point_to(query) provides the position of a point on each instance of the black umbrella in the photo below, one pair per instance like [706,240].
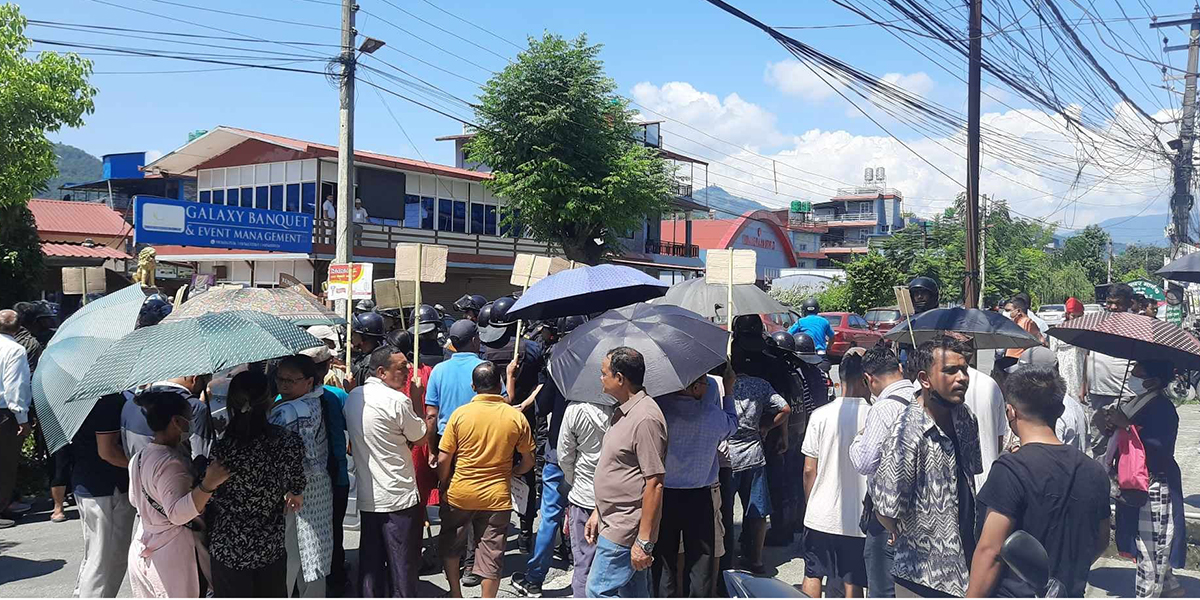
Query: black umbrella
[1184,268]
[1131,336]
[987,329]
[679,346]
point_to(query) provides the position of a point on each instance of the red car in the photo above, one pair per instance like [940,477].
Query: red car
[884,318]
[849,331]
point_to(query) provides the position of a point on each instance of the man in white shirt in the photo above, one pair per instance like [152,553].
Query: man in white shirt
[986,402]
[329,208]
[834,492]
[383,429]
[14,410]
[360,213]
[579,442]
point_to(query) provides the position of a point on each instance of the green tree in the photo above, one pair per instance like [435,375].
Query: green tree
[1139,259]
[20,255]
[869,282]
[561,146]
[37,95]
[1061,282]
[1088,249]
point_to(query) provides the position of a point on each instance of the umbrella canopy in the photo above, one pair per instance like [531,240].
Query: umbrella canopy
[987,329]
[1184,268]
[290,304]
[71,352]
[205,344]
[679,346]
[586,290]
[1131,336]
[710,299]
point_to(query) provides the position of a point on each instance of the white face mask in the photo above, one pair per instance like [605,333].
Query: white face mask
[1007,314]
[1137,385]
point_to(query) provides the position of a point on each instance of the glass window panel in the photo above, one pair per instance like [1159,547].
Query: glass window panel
[277,173]
[260,196]
[276,197]
[293,170]
[233,197]
[218,178]
[427,216]
[204,179]
[247,197]
[489,220]
[248,175]
[460,216]
[476,218]
[445,212]
[218,196]
[308,198]
[293,197]
[206,196]
[233,176]
[262,174]
[412,211]
[309,170]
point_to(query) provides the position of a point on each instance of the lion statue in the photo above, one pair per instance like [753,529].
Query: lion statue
[145,267]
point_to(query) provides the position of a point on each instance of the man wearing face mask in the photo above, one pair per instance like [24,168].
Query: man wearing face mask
[930,460]
[1106,377]
[1048,489]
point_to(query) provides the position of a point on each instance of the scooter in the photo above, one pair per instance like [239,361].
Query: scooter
[1021,552]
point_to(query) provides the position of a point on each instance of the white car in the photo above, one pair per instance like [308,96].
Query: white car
[1092,308]
[1053,314]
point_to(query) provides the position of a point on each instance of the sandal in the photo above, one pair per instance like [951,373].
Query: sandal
[58,518]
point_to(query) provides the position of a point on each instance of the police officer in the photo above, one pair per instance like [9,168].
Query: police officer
[427,326]
[364,306]
[470,305]
[925,297]
[813,368]
[367,334]
[497,330]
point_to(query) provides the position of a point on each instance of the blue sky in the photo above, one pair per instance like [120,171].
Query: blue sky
[684,58]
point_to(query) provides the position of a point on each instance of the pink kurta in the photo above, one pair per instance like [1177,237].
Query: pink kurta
[163,556]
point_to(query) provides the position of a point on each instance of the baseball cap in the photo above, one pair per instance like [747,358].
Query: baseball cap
[1037,356]
[463,331]
[318,354]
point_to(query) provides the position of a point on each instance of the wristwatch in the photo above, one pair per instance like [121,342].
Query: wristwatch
[647,547]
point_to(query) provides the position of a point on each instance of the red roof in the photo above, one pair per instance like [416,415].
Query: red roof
[721,233]
[78,218]
[384,160]
[80,251]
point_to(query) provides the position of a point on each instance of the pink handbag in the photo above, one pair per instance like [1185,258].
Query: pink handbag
[1132,473]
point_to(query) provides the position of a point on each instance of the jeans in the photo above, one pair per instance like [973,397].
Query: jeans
[878,554]
[264,582]
[612,574]
[107,533]
[751,487]
[554,501]
[686,514]
[337,569]
[725,476]
[390,553]
[582,552]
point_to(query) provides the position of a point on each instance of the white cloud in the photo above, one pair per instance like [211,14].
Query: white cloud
[813,164]
[794,78]
[918,83]
[153,155]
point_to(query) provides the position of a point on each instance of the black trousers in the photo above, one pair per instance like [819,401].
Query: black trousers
[389,553]
[264,582]
[335,584]
[686,514]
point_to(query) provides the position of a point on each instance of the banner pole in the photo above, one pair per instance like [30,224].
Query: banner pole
[350,318]
[730,312]
[417,320]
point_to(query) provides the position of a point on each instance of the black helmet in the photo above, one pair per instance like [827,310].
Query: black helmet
[929,285]
[473,302]
[364,306]
[154,309]
[782,340]
[804,343]
[810,307]
[368,323]
[485,315]
[427,319]
[499,315]
[566,325]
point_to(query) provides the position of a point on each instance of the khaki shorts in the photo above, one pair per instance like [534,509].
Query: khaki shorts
[719,546]
[490,528]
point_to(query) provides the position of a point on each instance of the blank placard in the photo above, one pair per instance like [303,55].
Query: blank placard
[433,259]
[745,265]
[394,293]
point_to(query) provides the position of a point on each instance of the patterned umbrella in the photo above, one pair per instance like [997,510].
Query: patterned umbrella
[586,290]
[72,350]
[679,346]
[290,304]
[1131,336]
[205,344]
[709,299]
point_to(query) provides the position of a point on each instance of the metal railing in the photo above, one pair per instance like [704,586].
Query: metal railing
[672,249]
[845,243]
[847,216]
[389,236]
[682,189]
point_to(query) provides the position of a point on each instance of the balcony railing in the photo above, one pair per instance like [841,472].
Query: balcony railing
[388,236]
[848,216]
[845,243]
[682,189]
[672,249]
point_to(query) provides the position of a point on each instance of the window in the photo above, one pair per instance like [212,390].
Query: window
[293,197]
[218,196]
[247,196]
[856,322]
[489,220]
[261,194]
[445,215]
[477,218]
[460,216]
[510,223]
[276,197]
[834,320]
[308,198]
[206,197]
[232,197]
[427,213]
[412,211]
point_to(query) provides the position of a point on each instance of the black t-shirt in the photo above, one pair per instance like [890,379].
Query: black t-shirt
[93,476]
[966,502]
[1058,495]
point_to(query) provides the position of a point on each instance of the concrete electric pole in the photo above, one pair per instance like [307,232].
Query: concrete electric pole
[344,242]
[1181,199]
[972,288]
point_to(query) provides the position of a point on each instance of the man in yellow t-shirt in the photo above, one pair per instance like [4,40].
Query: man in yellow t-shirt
[478,446]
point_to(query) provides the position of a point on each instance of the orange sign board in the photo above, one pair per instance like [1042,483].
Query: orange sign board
[350,280]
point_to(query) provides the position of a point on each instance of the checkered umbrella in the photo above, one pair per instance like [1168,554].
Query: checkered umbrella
[1131,336]
[72,350]
[205,344]
[291,304]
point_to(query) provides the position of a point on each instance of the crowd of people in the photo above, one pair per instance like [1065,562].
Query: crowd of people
[904,480]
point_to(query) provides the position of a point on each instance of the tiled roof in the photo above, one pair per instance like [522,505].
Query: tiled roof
[80,251]
[78,218]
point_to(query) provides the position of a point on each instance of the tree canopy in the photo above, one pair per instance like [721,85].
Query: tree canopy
[37,95]
[561,146]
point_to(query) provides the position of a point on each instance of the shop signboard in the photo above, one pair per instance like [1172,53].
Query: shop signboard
[165,221]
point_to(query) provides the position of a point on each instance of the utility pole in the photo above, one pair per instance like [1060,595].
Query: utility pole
[1181,199]
[344,243]
[983,249]
[972,288]
[1110,258]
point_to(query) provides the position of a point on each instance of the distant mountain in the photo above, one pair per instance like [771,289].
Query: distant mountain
[74,166]
[1144,229]
[726,205]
